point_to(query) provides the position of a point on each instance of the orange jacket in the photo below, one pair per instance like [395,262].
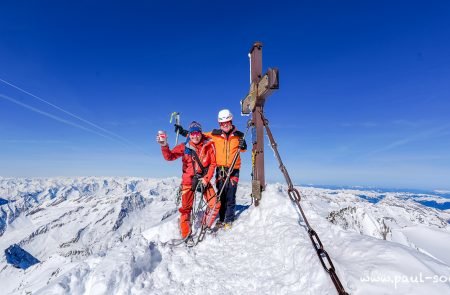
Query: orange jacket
[206,153]
[226,146]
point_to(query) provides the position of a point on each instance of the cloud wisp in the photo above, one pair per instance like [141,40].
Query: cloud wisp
[437,131]
[56,118]
[101,131]
[110,133]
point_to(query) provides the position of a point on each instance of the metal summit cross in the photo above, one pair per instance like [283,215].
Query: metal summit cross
[261,88]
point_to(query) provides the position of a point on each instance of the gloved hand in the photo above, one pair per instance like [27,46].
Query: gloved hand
[181,131]
[242,144]
[201,185]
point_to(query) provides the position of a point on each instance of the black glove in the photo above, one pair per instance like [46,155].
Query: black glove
[242,144]
[181,131]
[200,187]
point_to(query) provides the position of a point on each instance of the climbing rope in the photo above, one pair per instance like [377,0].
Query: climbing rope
[294,195]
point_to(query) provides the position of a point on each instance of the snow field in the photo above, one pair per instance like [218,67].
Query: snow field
[123,222]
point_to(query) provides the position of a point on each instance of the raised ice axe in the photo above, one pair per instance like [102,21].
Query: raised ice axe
[176,115]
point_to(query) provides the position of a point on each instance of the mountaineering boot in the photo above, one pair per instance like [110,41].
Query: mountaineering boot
[189,241]
[227,226]
[219,224]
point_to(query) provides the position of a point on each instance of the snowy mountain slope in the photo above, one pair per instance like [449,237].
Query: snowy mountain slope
[393,219]
[75,219]
[102,236]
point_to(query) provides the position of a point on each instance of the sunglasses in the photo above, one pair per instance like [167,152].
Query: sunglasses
[196,133]
[225,123]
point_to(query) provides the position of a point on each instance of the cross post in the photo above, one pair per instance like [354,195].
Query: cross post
[261,87]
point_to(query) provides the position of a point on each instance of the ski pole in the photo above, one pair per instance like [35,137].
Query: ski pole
[177,121]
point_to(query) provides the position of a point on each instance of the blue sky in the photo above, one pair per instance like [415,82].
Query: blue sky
[364,86]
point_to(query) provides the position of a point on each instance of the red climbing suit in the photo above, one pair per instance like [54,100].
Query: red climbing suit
[206,153]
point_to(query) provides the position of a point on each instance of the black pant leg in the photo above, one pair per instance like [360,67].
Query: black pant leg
[223,201]
[231,202]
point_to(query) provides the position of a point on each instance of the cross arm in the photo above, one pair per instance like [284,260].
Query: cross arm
[260,91]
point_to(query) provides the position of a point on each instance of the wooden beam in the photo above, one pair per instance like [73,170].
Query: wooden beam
[260,92]
[266,86]
[256,62]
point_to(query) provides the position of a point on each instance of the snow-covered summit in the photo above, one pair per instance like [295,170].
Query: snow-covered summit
[102,236]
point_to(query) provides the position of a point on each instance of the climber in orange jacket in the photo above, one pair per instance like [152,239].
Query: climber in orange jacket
[197,152]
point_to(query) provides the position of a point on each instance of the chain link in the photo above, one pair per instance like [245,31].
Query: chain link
[295,196]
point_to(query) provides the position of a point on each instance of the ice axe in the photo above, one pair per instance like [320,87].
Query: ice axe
[175,115]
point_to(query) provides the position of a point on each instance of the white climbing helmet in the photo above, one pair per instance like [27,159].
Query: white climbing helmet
[224,116]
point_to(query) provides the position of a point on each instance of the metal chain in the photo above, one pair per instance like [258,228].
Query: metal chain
[294,195]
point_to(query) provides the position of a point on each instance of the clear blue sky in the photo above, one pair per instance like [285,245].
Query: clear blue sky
[364,93]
